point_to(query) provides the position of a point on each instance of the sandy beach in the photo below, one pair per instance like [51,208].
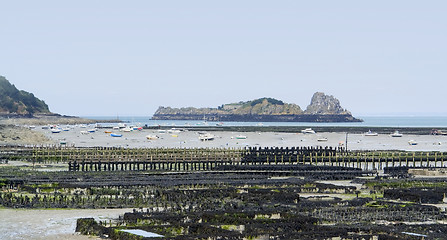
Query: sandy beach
[222,139]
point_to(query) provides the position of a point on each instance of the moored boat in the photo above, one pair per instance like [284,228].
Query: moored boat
[412,142]
[308,131]
[206,137]
[56,130]
[322,139]
[371,133]
[116,135]
[396,134]
[152,137]
[241,137]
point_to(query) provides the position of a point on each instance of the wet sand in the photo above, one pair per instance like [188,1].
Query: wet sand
[49,224]
[190,139]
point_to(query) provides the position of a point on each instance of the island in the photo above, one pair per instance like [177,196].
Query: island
[323,108]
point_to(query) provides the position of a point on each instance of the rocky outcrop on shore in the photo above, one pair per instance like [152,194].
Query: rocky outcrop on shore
[14,102]
[323,108]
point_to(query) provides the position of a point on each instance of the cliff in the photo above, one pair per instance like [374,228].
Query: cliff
[16,102]
[323,108]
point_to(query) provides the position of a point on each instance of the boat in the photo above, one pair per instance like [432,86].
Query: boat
[152,137]
[241,137]
[91,130]
[206,137]
[127,129]
[322,139]
[370,133]
[308,131]
[56,130]
[396,134]
[412,142]
[107,131]
[116,135]
[174,130]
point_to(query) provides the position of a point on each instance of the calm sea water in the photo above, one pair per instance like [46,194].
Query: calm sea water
[369,121]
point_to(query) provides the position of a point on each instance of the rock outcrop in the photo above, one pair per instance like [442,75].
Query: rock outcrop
[325,104]
[323,108]
[16,102]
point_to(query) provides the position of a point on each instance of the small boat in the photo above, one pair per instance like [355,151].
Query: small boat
[84,132]
[412,142]
[370,133]
[32,127]
[66,129]
[206,137]
[126,129]
[107,131]
[91,130]
[56,130]
[322,139]
[396,134]
[116,128]
[116,135]
[241,137]
[152,137]
[174,130]
[308,131]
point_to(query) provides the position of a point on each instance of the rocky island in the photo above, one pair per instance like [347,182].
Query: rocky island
[323,108]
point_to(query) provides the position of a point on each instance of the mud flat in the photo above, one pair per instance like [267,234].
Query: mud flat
[232,139]
[49,224]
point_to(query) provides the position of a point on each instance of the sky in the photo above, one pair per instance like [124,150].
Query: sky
[127,58]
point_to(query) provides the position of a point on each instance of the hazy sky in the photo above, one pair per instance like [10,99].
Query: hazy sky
[94,58]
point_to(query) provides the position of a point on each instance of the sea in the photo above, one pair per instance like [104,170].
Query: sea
[368,121]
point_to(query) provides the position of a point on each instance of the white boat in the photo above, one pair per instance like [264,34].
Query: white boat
[91,130]
[307,131]
[206,137]
[322,139]
[396,134]
[241,137]
[152,137]
[370,133]
[56,130]
[174,130]
[127,129]
[412,142]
